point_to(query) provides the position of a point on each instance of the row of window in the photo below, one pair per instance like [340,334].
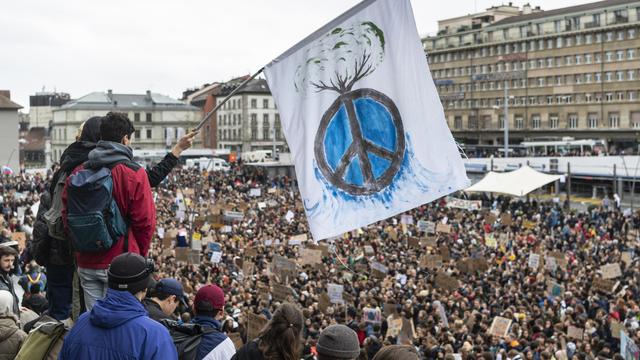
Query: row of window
[236,119]
[523,46]
[573,121]
[236,134]
[558,99]
[539,63]
[558,80]
[237,104]
[148,117]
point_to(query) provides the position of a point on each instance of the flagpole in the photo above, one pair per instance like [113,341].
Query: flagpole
[242,85]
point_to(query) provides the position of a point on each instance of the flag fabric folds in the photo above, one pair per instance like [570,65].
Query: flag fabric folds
[363,119]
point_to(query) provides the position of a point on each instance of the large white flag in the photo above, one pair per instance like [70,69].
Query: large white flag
[363,119]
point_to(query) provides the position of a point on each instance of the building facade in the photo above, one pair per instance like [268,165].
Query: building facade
[159,120]
[572,71]
[9,126]
[249,121]
[41,106]
[204,98]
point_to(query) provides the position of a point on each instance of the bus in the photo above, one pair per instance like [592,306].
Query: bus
[149,157]
[564,147]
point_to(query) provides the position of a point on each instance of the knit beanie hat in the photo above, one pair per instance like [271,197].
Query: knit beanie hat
[339,341]
[397,352]
[130,272]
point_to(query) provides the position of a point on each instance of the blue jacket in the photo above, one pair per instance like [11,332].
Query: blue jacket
[215,345]
[118,328]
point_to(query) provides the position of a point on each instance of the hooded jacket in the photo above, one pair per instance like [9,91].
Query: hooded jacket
[118,328]
[132,193]
[215,345]
[11,338]
[42,247]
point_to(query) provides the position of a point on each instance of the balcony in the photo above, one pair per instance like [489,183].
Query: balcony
[620,19]
[591,25]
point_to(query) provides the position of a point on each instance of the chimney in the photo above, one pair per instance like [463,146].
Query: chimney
[6,93]
[526,9]
[149,95]
[110,94]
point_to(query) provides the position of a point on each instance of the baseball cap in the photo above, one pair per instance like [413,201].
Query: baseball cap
[209,298]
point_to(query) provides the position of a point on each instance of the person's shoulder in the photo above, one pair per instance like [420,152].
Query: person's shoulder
[153,327]
[128,166]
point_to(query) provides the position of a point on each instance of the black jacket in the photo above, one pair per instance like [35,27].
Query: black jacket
[249,351]
[154,310]
[46,250]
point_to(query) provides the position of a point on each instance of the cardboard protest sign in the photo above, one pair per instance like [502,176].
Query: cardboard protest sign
[561,260]
[250,251]
[616,328]
[196,245]
[604,285]
[468,205]
[21,238]
[445,253]
[310,257]
[322,247]
[297,239]
[422,225]
[284,269]
[182,254]
[233,216]
[390,309]
[379,270]
[446,282]
[611,271]
[490,218]
[194,257]
[490,241]
[394,324]
[626,257]
[413,242]
[280,292]
[534,261]
[248,268]
[555,289]
[169,236]
[575,332]
[255,192]
[429,241]
[431,261]
[255,324]
[500,326]
[408,331]
[406,219]
[335,293]
[550,263]
[443,228]
[368,250]
[506,220]
[324,302]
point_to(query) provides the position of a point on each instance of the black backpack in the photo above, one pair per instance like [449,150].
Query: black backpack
[186,337]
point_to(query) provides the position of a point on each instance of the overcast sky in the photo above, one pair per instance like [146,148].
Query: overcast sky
[80,46]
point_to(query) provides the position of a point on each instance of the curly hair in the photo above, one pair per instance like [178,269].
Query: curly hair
[115,126]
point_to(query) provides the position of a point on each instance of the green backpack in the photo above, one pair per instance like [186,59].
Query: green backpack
[44,342]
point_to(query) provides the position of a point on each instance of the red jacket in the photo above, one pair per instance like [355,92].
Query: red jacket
[132,193]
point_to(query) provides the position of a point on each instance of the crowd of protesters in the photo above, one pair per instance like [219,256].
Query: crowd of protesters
[225,245]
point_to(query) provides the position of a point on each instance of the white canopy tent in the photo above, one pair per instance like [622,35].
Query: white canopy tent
[517,183]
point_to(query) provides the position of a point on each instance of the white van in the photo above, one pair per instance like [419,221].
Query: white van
[257,156]
[209,164]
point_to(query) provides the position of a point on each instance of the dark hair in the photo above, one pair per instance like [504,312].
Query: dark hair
[115,126]
[8,251]
[280,339]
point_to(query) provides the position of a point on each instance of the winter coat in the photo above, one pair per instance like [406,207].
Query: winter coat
[215,345]
[249,351]
[132,194]
[11,338]
[118,328]
[43,247]
[154,310]
[6,284]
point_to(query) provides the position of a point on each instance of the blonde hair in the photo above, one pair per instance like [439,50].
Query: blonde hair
[79,131]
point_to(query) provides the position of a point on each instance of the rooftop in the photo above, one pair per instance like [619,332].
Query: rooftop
[562,11]
[110,100]
[255,86]
[7,104]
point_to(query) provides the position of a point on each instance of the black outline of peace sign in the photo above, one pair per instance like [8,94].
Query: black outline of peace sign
[360,146]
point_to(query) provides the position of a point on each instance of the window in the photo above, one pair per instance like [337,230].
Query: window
[457,122]
[587,98]
[587,58]
[596,20]
[608,97]
[535,121]
[557,26]
[136,116]
[137,134]
[620,95]
[149,117]
[608,56]
[635,120]
[619,55]
[587,78]
[278,127]
[549,62]
[598,77]
[619,75]
[519,122]
[540,81]
[501,122]
[631,33]
[265,103]
[549,99]
[254,126]
[588,39]
[254,103]
[631,95]
[610,36]
[553,121]
[592,120]
[149,134]
[573,121]
[568,60]
[614,120]
[266,128]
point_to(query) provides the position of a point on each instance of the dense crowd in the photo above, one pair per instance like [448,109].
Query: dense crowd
[441,280]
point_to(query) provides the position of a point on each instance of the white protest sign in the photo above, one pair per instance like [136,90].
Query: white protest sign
[335,293]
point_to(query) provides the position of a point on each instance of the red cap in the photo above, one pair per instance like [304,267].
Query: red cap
[208,298]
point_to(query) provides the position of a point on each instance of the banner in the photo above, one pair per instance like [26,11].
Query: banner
[464,204]
[363,119]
